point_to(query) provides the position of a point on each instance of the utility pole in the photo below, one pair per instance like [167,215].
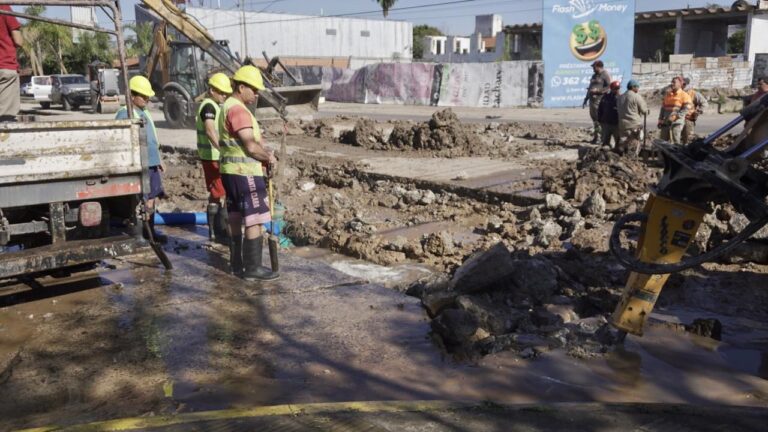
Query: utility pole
[244,33]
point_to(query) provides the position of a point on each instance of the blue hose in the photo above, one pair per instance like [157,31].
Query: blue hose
[181,219]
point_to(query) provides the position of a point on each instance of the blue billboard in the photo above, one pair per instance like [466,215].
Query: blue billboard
[577,33]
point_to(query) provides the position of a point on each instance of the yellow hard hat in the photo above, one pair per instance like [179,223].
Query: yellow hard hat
[249,75]
[141,85]
[220,82]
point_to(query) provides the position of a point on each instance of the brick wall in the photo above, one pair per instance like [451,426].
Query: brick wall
[705,73]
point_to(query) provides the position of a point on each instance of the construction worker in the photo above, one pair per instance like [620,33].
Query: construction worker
[10,39]
[699,105]
[608,114]
[672,114]
[141,91]
[762,89]
[242,164]
[599,86]
[207,124]
[632,113]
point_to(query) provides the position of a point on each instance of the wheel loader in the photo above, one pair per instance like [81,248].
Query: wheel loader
[179,68]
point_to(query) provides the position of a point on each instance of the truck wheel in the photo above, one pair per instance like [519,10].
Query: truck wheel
[175,110]
[45,105]
[66,104]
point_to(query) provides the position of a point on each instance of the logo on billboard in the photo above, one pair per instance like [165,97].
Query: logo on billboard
[588,40]
[582,8]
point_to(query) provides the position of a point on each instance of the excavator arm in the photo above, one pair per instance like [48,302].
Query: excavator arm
[694,177]
[197,34]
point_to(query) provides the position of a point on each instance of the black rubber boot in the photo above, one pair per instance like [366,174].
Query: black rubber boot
[211,212]
[236,255]
[221,225]
[252,255]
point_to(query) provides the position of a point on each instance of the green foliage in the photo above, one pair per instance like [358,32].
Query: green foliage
[90,46]
[419,32]
[140,43]
[386,5]
[736,42]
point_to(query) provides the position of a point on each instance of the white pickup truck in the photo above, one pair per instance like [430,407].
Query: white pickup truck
[70,193]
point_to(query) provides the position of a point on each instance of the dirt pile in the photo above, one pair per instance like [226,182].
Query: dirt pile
[183,181]
[618,179]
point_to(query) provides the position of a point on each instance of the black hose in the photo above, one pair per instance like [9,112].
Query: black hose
[635,265]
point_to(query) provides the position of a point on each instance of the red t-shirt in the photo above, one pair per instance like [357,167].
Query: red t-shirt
[239,118]
[7,47]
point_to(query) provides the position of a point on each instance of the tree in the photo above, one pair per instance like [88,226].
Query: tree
[140,43]
[386,5]
[736,42]
[90,46]
[419,32]
[33,46]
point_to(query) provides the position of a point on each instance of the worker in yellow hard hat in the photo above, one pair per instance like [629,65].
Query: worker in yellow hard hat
[141,92]
[207,125]
[242,163]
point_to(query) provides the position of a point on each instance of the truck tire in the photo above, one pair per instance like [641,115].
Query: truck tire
[66,104]
[175,110]
[45,105]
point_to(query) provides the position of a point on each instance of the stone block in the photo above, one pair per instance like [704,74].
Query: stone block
[681,58]
[646,68]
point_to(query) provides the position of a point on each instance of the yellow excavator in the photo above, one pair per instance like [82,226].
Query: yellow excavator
[694,177]
[184,65]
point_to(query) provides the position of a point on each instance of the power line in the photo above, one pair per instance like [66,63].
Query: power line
[350,13]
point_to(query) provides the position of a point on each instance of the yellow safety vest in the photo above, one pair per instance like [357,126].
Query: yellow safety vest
[204,148]
[233,158]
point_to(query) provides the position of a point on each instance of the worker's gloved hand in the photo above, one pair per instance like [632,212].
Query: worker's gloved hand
[673,118]
[659,124]
[584,105]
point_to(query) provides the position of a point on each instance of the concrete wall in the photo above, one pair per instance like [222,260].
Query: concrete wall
[648,39]
[704,39]
[757,36]
[705,73]
[308,36]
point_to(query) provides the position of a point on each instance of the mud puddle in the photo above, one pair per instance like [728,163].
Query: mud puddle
[394,276]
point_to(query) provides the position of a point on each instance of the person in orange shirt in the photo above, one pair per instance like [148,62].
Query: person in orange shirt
[699,105]
[677,104]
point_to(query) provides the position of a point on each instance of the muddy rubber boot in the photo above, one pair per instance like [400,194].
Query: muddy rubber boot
[252,255]
[221,225]
[236,255]
[211,212]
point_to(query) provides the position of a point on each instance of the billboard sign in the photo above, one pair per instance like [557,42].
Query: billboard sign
[577,33]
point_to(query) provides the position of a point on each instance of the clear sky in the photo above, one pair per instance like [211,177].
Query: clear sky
[456,18]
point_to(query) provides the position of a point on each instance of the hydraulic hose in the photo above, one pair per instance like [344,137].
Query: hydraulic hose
[635,265]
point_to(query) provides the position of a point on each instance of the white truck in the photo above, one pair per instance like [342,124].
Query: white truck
[71,192]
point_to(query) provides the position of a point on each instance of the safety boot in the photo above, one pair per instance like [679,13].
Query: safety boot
[221,225]
[252,255]
[211,212]
[236,255]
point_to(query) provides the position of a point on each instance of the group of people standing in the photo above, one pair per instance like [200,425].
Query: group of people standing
[236,165]
[619,120]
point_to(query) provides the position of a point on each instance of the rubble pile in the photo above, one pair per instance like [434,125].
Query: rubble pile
[619,179]
[499,301]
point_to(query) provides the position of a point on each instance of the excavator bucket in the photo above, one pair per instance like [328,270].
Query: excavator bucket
[300,102]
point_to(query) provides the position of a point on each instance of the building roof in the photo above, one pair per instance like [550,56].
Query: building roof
[528,27]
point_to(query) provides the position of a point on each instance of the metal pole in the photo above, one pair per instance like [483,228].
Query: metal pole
[56,21]
[121,52]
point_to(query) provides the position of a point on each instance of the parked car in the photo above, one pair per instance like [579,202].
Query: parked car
[26,89]
[41,90]
[70,91]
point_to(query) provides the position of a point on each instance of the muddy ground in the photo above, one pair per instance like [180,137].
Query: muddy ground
[513,274]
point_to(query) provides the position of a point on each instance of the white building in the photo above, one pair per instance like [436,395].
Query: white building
[302,39]
[84,16]
[481,46]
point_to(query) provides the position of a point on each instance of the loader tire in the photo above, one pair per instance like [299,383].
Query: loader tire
[175,110]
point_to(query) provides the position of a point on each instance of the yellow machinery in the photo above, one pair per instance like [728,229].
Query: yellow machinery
[695,177]
[184,66]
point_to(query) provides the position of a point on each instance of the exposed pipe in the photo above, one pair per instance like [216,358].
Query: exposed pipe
[199,218]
